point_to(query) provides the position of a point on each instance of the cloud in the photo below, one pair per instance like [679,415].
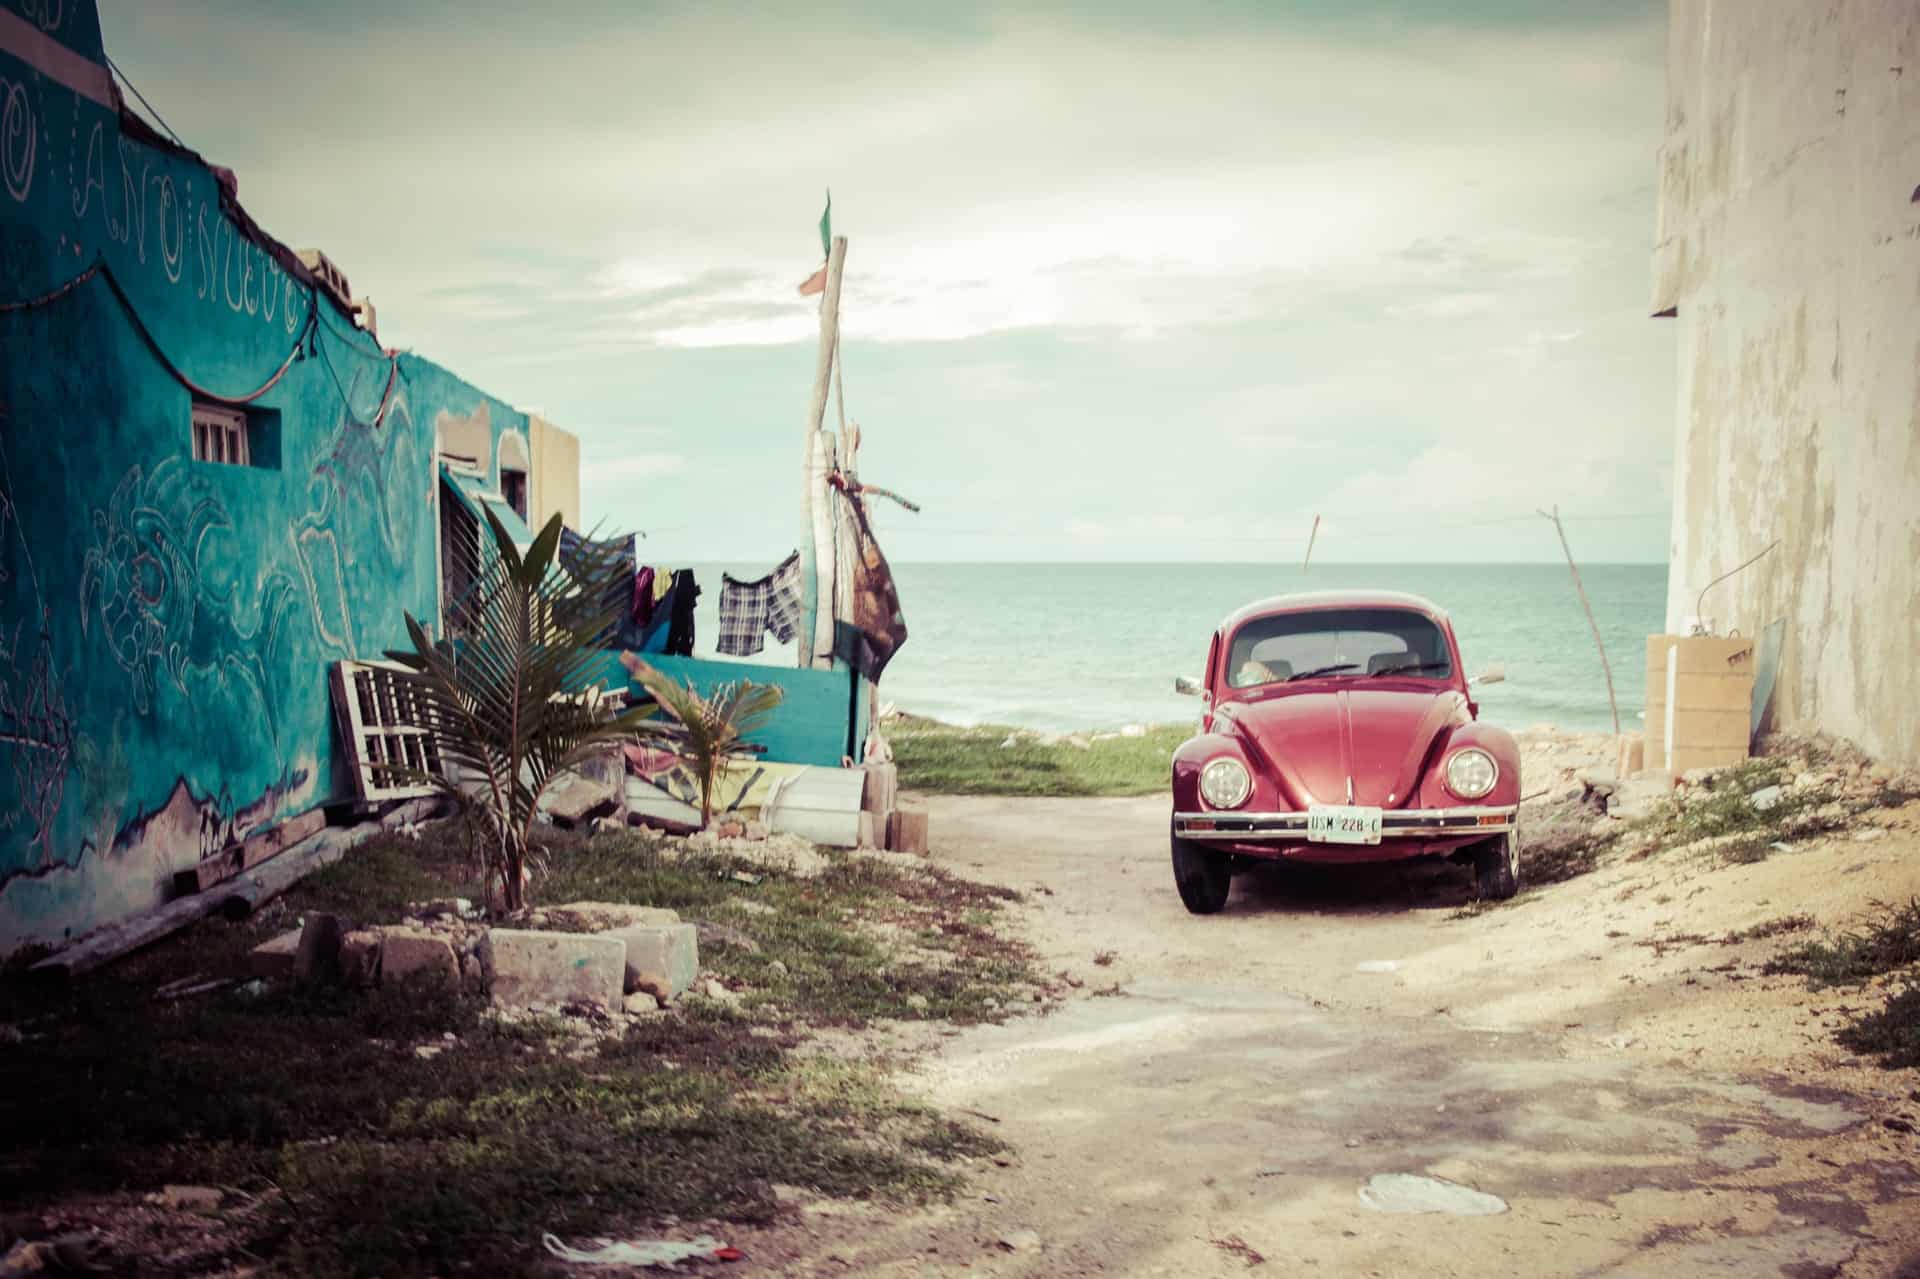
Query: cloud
[1216,261]
[639,466]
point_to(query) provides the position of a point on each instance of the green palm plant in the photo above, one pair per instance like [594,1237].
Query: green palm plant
[704,731]
[509,701]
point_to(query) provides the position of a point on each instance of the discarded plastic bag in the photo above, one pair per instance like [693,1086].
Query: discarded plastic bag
[665,1253]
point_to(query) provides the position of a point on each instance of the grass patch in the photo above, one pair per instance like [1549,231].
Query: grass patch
[367,1157]
[1886,943]
[949,760]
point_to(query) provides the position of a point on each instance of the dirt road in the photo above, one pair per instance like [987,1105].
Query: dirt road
[1634,1101]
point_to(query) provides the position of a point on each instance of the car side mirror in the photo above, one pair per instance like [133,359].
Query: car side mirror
[1494,674]
[1185,686]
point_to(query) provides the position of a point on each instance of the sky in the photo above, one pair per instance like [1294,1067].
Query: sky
[1124,282]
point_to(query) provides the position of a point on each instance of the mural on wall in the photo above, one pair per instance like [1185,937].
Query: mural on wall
[370,456]
[166,623]
[36,724]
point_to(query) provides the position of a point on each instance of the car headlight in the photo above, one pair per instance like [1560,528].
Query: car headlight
[1471,773]
[1224,783]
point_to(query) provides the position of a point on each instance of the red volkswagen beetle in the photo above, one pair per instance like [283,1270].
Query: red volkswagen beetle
[1339,728]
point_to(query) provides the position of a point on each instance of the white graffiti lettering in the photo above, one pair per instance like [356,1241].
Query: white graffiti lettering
[172,246]
[17,140]
[229,242]
[134,205]
[204,256]
[96,176]
[46,14]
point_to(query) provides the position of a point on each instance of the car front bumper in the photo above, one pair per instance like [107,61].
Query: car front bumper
[1425,824]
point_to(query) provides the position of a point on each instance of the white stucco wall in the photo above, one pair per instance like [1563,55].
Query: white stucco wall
[1789,242]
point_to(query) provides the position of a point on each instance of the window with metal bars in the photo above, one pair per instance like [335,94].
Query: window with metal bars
[220,435]
[459,562]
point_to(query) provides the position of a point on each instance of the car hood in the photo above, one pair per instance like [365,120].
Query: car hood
[1313,742]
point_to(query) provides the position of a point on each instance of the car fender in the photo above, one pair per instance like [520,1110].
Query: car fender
[1492,739]
[1196,753]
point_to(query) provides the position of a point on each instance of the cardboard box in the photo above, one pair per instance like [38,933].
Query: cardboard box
[1707,716]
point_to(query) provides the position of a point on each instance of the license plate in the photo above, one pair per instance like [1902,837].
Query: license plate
[1339,824]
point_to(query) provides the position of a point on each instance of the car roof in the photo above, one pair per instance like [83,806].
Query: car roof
[1313,601]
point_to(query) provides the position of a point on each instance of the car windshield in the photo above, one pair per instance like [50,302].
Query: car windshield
[1358,643]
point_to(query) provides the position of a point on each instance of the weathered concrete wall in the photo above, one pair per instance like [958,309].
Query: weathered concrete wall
[166,624]
[1789,242]
[556,474]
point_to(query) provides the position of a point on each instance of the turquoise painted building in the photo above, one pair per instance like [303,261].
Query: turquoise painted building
[214,482]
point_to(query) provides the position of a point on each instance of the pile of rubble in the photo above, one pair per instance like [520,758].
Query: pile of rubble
[1815,785]
[607,955]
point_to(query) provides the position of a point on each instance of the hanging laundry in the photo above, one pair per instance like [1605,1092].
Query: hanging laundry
[748,610]
[877,629]
[685,593]
[641,610]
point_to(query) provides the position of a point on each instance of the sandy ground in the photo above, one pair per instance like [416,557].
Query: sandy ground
[1643,1105]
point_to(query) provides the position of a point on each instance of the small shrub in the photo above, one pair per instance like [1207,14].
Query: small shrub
[1892,1034]
[1885,944]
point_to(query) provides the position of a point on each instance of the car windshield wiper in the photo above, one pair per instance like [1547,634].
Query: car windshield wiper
[1323,670]
[1409,668]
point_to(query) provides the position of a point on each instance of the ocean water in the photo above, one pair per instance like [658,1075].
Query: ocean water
[1061,647]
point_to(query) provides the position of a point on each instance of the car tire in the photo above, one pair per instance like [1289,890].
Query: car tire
[1203,877]
[1496,868]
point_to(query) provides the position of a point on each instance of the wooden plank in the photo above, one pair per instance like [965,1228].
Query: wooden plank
[907,831]
[242,894]
[813,494]
[882,790]
[248,853]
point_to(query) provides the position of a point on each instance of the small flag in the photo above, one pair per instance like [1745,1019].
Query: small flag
[817,282]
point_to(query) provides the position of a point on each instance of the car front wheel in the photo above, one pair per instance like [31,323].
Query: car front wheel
[1496,868]
[1203,877]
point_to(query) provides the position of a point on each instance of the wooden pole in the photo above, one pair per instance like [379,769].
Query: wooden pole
[1315,532]
[814,510]
[1595,626]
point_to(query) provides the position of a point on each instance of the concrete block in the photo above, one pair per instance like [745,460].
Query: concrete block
[317,956]
[573,799]
[662,959]
[275,958]
[414,954]
[360,958]
[598,917]
[527,969]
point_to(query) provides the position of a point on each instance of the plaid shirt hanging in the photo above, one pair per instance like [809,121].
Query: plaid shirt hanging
[748,610]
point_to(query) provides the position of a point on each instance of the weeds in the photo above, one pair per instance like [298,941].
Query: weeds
[370,1158]
[1887,943]
[1892,1034]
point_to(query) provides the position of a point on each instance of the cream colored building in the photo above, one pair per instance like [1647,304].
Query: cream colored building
[1788,257]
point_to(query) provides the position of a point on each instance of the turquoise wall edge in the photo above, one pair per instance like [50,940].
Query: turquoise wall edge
[816,712]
